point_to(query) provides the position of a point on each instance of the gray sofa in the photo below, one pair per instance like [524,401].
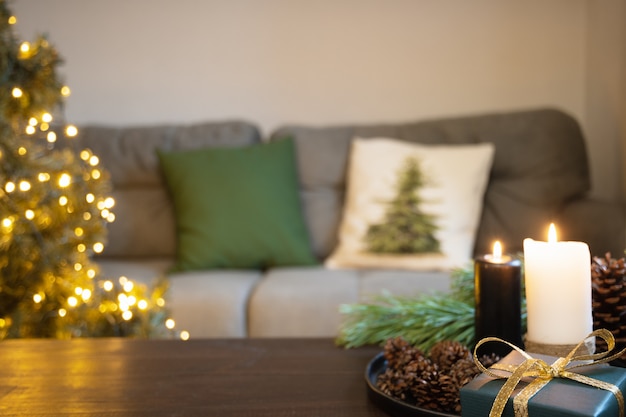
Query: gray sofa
[540,174]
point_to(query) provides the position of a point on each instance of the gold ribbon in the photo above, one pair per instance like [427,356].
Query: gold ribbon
[543,373]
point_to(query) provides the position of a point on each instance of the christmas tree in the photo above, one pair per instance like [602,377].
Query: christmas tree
[406,229]
[53,212]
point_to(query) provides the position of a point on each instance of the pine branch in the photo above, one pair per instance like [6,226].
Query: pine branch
[422,321]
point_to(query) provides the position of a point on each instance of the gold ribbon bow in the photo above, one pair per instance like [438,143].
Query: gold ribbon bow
[543,373]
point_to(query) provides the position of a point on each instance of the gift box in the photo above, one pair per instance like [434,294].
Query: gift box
[561,397]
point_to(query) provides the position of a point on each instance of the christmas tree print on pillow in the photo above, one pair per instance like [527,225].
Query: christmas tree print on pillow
[411,206]
[406,228]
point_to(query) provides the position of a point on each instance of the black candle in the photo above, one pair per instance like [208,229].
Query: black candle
[497,289]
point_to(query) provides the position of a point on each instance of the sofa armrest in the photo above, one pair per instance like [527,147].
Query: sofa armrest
[601,224]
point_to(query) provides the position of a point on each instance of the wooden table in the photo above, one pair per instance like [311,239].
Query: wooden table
[237,377]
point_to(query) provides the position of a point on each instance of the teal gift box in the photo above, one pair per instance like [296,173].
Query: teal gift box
[561,397]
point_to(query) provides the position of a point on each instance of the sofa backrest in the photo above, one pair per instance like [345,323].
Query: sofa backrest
[144,224]
[540,163]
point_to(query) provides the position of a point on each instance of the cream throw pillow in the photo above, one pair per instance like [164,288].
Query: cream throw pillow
[411,206]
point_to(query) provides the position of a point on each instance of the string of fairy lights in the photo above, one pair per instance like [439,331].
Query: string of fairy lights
[121,297]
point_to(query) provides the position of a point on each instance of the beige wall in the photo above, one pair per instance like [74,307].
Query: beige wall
[623,112]
[621,89]
[606,94]
[334,61]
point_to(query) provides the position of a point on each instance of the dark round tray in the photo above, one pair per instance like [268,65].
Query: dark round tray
[393,406]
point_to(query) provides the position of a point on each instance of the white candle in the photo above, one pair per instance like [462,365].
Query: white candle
[558,290]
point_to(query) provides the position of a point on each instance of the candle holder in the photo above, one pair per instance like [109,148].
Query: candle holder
[498,312]
[588,348]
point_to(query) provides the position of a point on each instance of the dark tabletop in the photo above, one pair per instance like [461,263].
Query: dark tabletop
[212,377]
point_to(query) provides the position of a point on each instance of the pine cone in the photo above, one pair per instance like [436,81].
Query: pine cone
[394,383]
[450,401]
[434,382]
[426,388]
[436,390]
[464,371]
[446,353]
[609,297]
[488,360]
[403,361]
[419,366]
[398,353]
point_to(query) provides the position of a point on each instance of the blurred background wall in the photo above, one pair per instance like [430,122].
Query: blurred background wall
[343,61]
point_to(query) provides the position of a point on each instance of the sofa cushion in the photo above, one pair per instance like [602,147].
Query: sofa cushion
[212,303]
[532,177]
[237,208]
[411,206]
[375,282]
[305,302]
[301,302]
[144,224]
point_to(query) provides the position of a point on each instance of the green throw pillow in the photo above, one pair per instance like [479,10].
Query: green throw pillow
[237,207]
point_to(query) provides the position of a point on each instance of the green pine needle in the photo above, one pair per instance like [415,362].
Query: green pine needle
[421,321]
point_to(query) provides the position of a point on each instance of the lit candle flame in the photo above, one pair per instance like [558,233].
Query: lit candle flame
[552,233]
[497,250]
